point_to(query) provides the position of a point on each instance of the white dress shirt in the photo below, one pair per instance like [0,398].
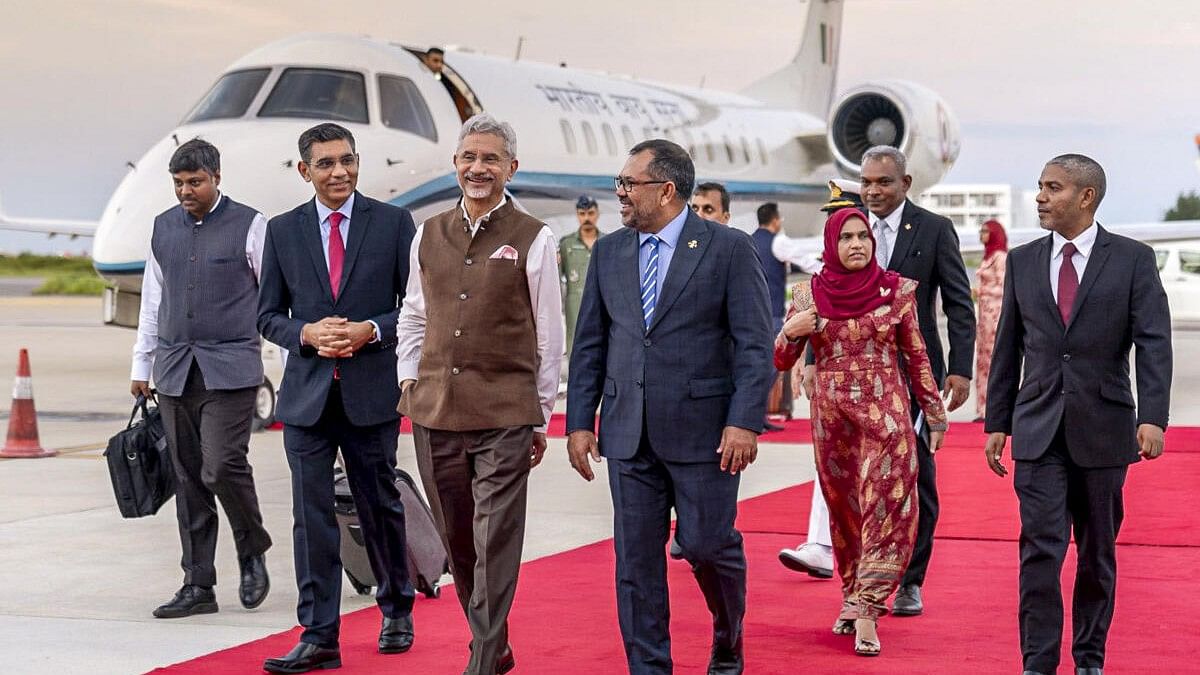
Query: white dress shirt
[323,213]
[147,332]
[891,222]
[1083,252]
[541,271]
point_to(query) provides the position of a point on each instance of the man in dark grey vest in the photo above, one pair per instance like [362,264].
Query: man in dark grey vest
[480,343]
[197,334]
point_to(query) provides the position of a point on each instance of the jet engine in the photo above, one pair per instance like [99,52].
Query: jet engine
[900,114]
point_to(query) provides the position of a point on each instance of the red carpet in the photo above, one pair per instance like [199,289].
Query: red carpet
[565,616]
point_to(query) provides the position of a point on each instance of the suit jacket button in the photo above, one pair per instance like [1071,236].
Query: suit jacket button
[639,384]
[458,333]
[646,342]
[455,371]
[470,262]
[462,296]
[1066,357]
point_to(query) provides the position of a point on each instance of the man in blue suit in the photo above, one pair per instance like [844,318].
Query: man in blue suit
[672,333]
[334,274]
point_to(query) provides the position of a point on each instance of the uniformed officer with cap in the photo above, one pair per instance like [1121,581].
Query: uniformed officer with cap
[574,253]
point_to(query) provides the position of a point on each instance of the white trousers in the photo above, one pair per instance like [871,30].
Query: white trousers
[818,518]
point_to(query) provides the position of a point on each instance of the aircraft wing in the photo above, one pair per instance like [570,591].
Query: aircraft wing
[1150,233]
[49,226]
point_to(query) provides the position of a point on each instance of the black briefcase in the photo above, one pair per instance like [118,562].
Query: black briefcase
[139,463]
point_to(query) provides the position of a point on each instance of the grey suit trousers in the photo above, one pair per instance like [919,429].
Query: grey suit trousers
[476,482]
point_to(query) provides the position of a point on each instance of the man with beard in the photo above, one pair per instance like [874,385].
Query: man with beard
[673,333]
[479,355]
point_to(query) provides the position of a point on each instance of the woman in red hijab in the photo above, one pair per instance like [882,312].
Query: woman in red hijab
[860,319]
[989,291]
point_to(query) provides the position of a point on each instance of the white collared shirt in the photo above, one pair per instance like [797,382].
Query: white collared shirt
[323,213]
[147,332]
[892,222]
[1083,252]
[545,297]
[462,203]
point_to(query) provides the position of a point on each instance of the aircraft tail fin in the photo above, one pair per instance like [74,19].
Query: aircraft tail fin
[808,82]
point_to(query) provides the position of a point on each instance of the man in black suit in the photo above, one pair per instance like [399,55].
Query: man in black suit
[334,274]
[1074,304]
[922,246]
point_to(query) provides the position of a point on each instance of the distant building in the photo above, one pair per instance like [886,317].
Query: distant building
[970,205]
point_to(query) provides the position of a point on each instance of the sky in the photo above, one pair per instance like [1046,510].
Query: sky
[90,85]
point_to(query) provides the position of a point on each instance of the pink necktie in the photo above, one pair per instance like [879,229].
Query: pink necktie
[337,252]
[1068,283]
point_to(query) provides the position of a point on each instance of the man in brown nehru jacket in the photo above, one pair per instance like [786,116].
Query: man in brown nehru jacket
[480,343]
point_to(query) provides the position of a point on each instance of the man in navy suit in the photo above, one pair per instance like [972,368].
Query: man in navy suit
[672,333]
[1075,303]
[334,274]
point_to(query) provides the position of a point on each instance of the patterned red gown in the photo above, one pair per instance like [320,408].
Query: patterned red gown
[864,440]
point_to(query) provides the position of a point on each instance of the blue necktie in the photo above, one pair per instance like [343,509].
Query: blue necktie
[650,282]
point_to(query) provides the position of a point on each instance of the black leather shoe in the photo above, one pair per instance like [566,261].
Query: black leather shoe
[304,657]
[726,661]
[255,582]
[396,635]
[188,601]
[1089,671]
[506,662]
[908,601]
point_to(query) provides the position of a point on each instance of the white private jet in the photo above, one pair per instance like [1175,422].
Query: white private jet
[779,139]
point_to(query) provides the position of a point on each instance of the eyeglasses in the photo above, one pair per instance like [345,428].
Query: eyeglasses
[327,164]
[627,184]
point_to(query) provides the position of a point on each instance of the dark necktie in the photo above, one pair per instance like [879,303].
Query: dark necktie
[337,252]
[1068,283]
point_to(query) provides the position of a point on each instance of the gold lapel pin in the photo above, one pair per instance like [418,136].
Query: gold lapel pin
[693,243]
[908,226]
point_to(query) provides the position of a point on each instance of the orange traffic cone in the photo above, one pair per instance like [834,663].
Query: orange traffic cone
[22,422]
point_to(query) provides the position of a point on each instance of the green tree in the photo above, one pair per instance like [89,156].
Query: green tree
[1187,207]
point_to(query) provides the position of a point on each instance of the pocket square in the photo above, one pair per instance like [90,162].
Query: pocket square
[505,252]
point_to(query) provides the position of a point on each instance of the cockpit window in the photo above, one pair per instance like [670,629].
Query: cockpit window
[230,96]
[402,107]
[318,93]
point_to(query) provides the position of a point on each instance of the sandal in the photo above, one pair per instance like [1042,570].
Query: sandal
[844,624]
[865,646]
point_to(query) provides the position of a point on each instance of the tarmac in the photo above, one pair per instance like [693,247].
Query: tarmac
[78,582]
